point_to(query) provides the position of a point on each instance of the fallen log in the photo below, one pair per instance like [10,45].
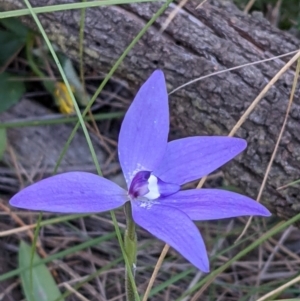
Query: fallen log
[197,42]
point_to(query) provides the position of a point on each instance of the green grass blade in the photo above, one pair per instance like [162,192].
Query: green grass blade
[47,120]
[69,6]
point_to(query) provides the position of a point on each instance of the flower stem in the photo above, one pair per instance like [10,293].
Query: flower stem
[130,245]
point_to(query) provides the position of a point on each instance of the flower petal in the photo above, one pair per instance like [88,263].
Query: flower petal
[189,159]
[144,132]
[210,204]
[173,227]
[70,193]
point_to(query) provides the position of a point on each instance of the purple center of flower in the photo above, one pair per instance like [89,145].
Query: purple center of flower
[147,185]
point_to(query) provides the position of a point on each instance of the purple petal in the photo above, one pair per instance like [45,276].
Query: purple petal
[173,227]
[189,159]
[70,193]
[210,204]
[144,132]
[166,189]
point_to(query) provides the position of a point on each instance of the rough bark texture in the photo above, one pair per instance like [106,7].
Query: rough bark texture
[197,42]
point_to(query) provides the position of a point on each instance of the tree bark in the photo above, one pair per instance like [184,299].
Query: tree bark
[197,42]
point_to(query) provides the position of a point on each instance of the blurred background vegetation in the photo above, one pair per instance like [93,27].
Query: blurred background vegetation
[284,14]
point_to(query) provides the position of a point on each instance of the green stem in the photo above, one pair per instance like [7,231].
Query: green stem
[130,245]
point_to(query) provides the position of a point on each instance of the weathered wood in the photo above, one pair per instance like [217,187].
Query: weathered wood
[198,42]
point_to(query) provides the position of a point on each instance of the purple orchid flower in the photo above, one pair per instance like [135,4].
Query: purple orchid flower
[154,170]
